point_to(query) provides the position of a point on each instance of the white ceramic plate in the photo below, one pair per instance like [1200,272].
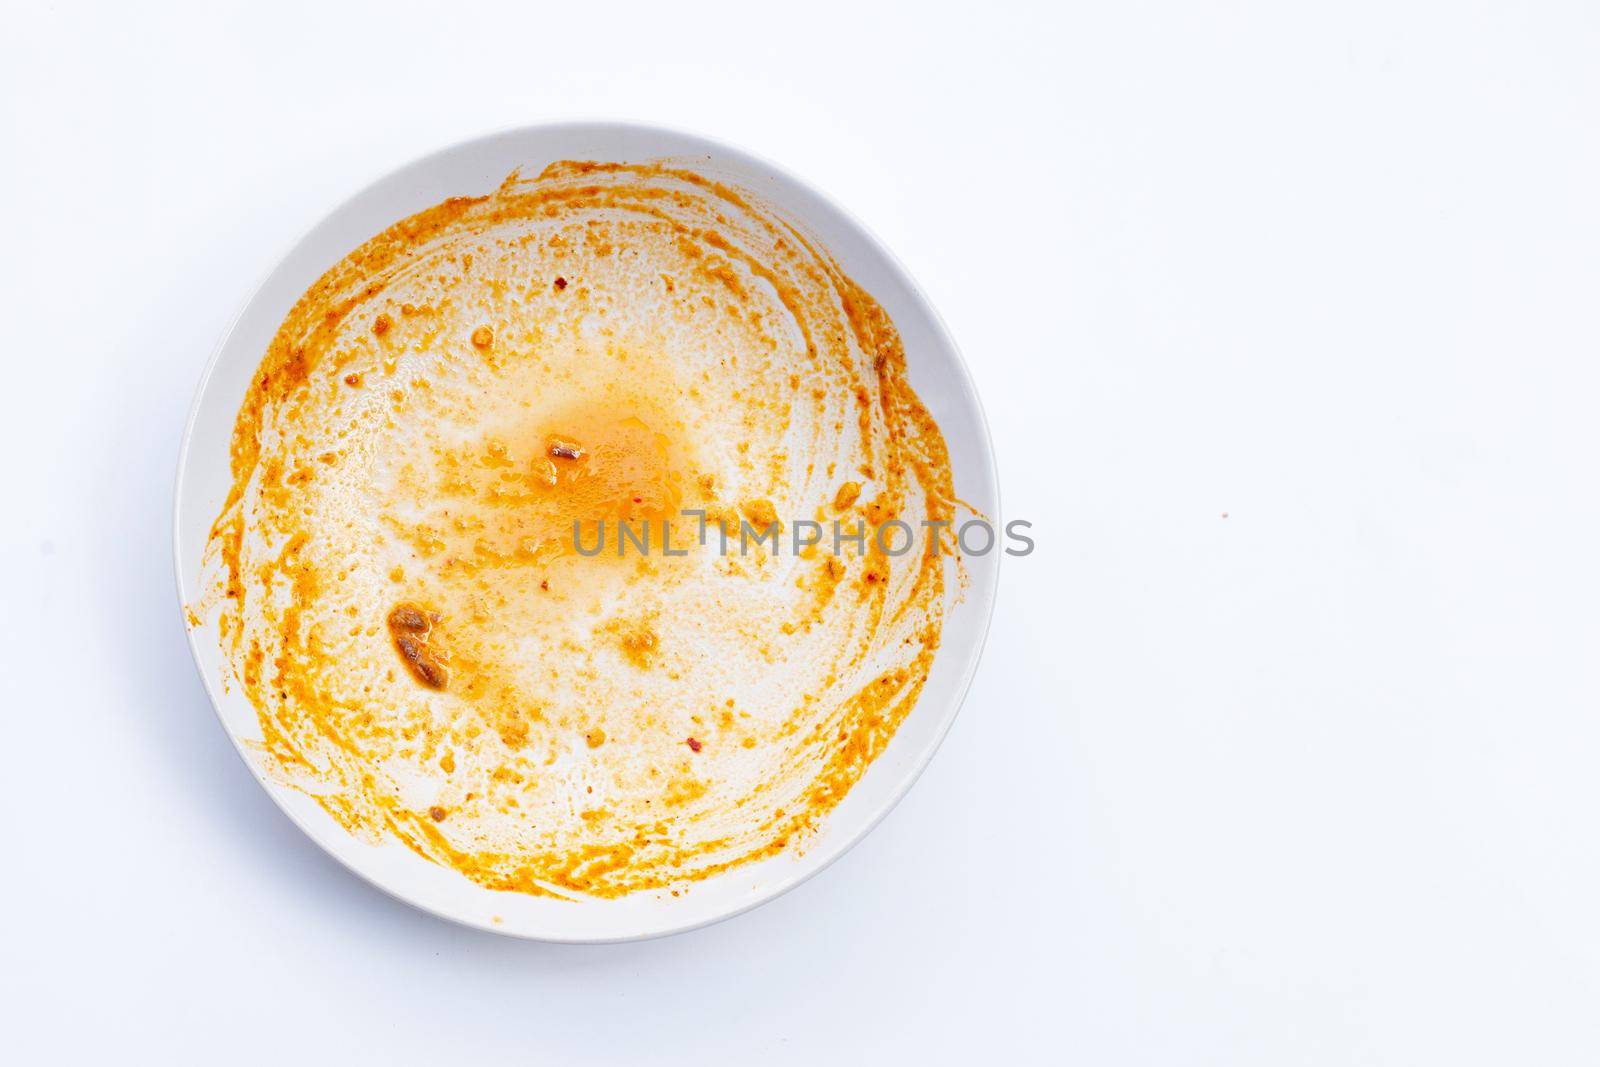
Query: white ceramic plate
[477,167]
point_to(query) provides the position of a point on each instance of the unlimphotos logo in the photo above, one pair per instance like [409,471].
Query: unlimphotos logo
[896,537]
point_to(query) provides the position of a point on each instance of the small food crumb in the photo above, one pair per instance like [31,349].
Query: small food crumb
[694,745]
[761,513]
[637,639]
[847,495]
[595,737]
[436,813]
[352,379]
[561,283]
[483,337]
[562,448]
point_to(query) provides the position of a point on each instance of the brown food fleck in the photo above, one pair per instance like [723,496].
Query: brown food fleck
[561,283]
[410,626]
[483,337]
[437,813]
[409,617]
[695,745]
[381,324]
[352,379]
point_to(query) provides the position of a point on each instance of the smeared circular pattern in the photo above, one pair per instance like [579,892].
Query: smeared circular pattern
[395,576]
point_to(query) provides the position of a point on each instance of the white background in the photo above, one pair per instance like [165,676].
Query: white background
[1284,749]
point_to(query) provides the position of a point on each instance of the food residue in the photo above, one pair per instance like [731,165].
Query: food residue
[400,578]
